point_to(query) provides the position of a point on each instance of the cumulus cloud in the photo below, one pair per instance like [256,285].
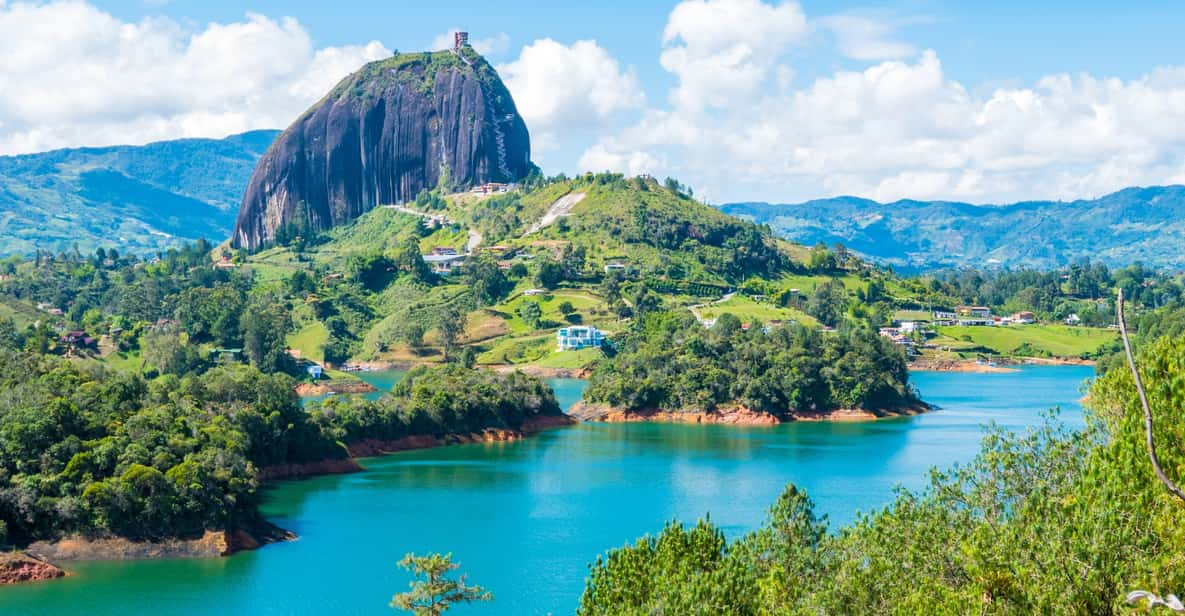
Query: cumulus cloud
[723,49]
[72,74]
[488,46]
[573,87]
[901,128]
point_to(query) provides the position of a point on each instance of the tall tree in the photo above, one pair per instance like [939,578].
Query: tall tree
[265,324]
[437,591]
[450,325]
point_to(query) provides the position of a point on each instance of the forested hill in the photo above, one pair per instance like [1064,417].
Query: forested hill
[132,198]
[1134,224]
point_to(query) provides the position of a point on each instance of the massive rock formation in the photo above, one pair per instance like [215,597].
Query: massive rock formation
[381,136]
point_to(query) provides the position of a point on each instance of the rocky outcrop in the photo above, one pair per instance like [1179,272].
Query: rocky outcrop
[381,136]
[376,447]
[16,567]
[734,415]
[210,544]
[322,388]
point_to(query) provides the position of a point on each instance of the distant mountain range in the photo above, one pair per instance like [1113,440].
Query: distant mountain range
[145,198]
[134,198]
[1134,224]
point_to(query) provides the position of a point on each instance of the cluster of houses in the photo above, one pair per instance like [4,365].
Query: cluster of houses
[903,335]
[972,316]
[445,259]
[490,188]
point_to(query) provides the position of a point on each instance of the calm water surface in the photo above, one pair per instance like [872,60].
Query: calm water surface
[526,518]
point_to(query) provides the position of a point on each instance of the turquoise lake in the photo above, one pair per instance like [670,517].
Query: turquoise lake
[524,519]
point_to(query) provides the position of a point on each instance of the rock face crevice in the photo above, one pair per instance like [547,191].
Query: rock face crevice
[381,136]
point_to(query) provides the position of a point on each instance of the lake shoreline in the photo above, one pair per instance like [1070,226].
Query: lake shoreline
[37,561]
[737,415]
[1003,365]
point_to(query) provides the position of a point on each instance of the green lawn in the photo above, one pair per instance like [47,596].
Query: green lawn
[310,340]
[746,309]
[1055,340]
[569,359]
[806,284]
[518,350]
[911,315]
[590,309]
[124,361]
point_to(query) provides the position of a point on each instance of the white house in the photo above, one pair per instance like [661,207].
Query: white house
[578,337]
[534,292]
[614,267]
[1073,319]
[945,317]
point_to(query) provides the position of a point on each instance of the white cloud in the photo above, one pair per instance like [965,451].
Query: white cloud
[72,75]
[866,38]
[898,129]
[723,49]
[568,88]
[489,46]
[631,163]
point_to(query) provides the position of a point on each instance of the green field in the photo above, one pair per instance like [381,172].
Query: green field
[1052,340]
[590,309]
[747,310]
[310,341]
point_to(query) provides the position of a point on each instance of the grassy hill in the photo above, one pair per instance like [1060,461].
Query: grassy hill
[682,252]
[613,246]
[133,198]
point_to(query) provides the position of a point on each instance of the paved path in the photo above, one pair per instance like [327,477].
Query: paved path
[695,308]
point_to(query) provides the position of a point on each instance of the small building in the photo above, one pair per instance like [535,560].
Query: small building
[315,371]
[975,312]
[78,339]
[442,251]
[444,264]
[614,267]
[910,327]
[534,292]
[490,188]
[944,317]
[970,316]
[1073,319]
[226,355]
[579,337]
[1024,317]
[460,40]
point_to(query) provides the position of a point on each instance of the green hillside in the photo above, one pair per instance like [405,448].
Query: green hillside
[131,198]
[539,263]
[1134,224]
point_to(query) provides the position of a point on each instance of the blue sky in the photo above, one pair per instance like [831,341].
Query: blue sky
[997,42]
[915,98]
